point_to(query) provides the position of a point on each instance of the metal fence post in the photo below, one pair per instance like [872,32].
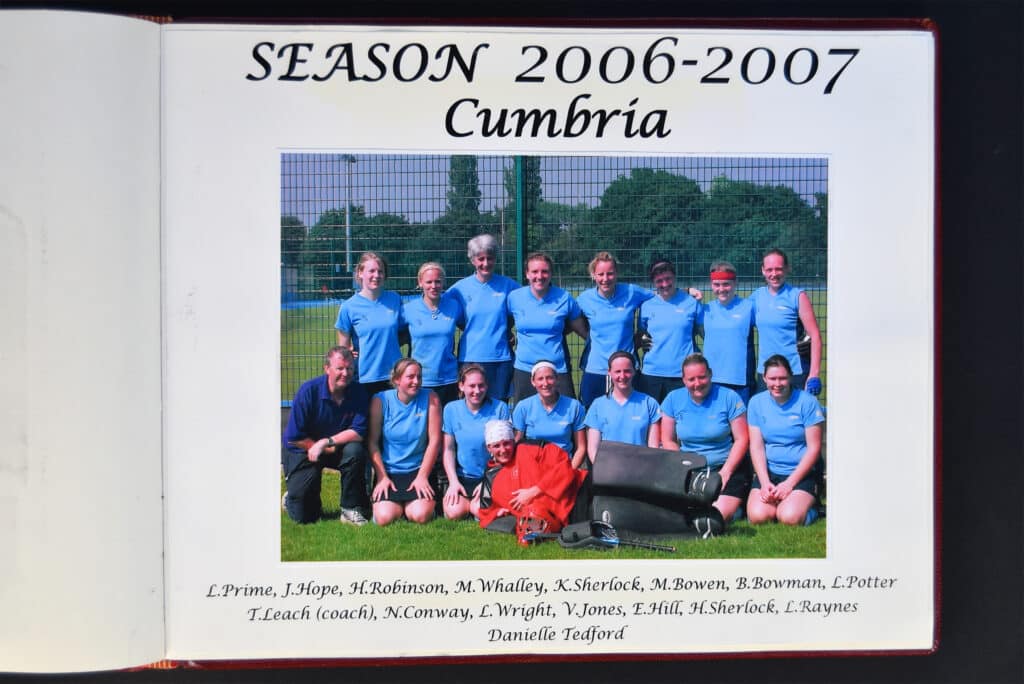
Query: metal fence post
[520,218]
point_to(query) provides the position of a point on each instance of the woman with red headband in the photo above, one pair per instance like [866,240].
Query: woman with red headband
[728,323]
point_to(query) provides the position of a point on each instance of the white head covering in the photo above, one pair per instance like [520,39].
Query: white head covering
[497,431]
[543,364]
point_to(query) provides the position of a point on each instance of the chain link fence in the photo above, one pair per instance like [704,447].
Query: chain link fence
[417,208]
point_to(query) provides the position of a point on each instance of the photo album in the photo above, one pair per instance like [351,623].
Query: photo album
[408,341]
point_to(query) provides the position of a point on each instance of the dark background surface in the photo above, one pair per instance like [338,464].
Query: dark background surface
[979,278]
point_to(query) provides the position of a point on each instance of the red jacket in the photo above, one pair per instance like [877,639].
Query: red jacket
[547,467]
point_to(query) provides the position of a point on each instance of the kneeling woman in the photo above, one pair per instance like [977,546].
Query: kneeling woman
[536,484]
[465,454]
[551,416]
[708,419]
[624,414]
[404,438]
[786,425]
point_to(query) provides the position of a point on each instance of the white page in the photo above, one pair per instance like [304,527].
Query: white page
[81,576]
[224,136]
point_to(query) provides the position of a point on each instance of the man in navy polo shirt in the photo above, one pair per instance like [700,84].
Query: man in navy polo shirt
[325,430]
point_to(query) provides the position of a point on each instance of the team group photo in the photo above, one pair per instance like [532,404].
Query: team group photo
[543,357]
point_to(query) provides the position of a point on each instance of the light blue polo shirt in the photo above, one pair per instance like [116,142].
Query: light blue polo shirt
[705,428]
[373,327]
[467,428]
[540,324]
[485,337]
[624,422]
[776,317]
[403,430]
[432,338]
[782,427]
[558,425]
[611,322]
[727,331]
[670,324]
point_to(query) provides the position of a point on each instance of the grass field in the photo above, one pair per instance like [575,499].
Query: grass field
[445,540]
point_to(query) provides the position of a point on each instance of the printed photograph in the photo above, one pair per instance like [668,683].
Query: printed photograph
[553,357]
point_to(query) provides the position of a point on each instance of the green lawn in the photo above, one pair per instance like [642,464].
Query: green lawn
[445,540]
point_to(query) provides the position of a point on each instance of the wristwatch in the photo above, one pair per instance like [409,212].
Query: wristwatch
[330,441]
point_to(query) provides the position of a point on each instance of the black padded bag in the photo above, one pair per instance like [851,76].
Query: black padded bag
[659,476]
[641,517]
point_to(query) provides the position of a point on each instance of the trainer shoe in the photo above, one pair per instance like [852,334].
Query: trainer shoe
[352,516]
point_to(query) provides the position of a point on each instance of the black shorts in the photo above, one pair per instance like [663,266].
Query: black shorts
[810,484]
[739,483]
[401,493]
[469,484]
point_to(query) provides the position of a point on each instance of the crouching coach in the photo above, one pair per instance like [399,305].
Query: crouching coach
[325,430]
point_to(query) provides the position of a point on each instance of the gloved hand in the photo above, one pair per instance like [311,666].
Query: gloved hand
[813,386]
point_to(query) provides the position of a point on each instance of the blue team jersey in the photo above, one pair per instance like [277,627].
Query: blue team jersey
[559,425]
[403,431]
[776,317]
[373,327]
[540,324]
[782,427]
[485,337]
[432,338]
[705,428]
[611,322]
[727,334]
[670,324]
[467,428]
[627,422]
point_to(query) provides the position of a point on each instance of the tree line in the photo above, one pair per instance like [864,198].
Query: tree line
[647,213]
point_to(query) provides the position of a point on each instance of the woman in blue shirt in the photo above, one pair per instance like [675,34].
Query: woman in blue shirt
[708,419]
[432,320]
[369,323]
[404,438]
[465,451]
[624,414]
[666,327]
[786,427]
[727,322]
[542,312]
[485,335]
[551,416]
[610,308]
[777,308]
